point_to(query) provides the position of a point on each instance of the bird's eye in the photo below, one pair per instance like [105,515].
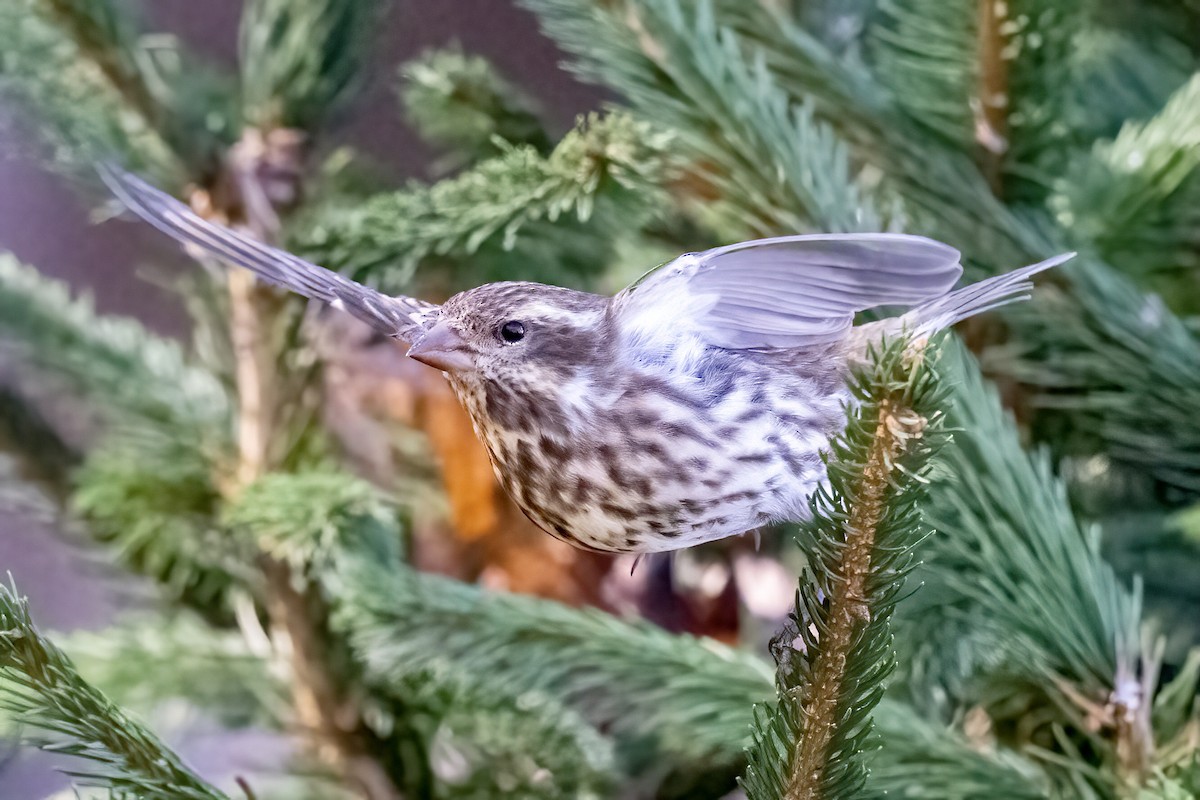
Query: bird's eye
[512,331]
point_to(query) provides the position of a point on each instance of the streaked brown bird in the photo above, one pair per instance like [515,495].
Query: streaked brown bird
[693,405]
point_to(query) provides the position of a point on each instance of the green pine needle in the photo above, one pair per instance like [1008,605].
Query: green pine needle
[152,500]
[1122,363]
[1136,198]
[301,518]
[301,58]
[684,697]
[481,740]
[138,378]
[384,237]
[462,102]
[66,80]
[836,655]
[1017,594]
[146,662]
[932,762]
[778,163]
[40,687]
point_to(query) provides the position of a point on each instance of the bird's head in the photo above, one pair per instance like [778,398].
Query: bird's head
[501,330]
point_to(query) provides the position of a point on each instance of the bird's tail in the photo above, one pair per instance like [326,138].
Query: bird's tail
[1000,290]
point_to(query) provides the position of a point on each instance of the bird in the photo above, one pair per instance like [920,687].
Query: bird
[695,404]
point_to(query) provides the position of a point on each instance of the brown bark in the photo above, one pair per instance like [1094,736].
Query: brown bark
[991,110]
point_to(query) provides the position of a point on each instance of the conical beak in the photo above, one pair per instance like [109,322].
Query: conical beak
[442,348]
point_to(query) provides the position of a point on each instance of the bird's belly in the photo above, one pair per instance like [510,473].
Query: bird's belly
[646,480]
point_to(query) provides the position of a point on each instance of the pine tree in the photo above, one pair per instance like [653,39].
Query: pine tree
[987,605]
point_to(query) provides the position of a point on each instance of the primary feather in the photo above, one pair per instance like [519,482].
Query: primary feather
[401,317]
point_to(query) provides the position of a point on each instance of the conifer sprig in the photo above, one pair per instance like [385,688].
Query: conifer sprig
[300,58]
[147,660]
[43,690]
[461,102]
[1013,546]
[1019,599]
[692,697]
[131,374]
[835,656]
[1136,197]
[81,67]
[1123,363]
[385,236]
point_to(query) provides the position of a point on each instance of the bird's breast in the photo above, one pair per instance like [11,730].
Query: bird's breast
[643,461]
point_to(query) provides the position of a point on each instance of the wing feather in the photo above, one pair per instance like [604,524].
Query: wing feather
[793,291]
[393,316]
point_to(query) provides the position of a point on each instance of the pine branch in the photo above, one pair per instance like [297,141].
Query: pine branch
[943,193]
[1031,84]
[300,58]
[1123,363]
[1052,101]
[478,739]
[935,763]
[107,39]
[80,64]
[136,377]
[1136,198]
[148,491]
[671,700]
[302,518]
[152,499]
[836,655]
[87,117]
[611,158]
[146,661]
[689,699]
[926,53]
[326,710]
[40,686]
[1015,583]
[774,164]
[463,103]
[458,737]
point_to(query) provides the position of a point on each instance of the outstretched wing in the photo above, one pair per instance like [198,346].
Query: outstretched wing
[393,316]
[790,291]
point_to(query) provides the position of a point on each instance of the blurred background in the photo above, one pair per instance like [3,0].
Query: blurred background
[293,585]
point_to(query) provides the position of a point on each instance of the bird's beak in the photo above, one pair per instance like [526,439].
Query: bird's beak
[442,348]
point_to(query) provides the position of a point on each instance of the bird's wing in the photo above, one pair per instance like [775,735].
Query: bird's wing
[393,316]
[790,291]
